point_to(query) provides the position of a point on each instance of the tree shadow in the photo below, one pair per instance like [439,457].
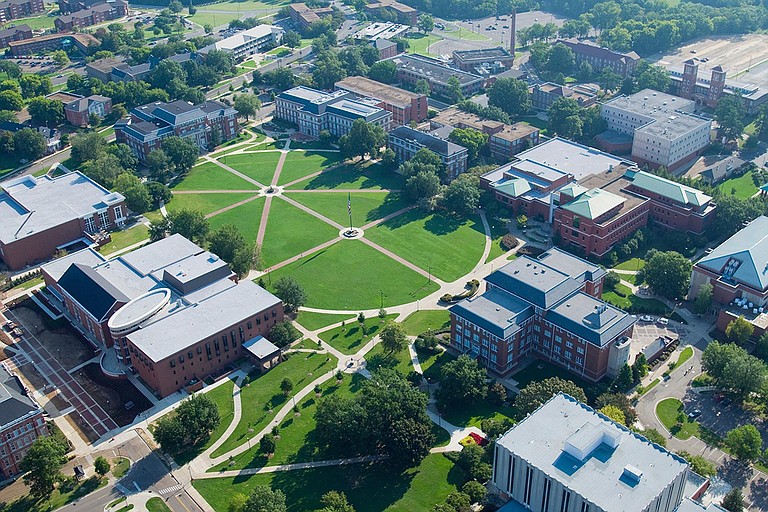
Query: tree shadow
[392,203]
[441,224]
[758,491]
[735,472]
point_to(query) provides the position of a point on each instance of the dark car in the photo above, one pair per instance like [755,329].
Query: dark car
[694,414]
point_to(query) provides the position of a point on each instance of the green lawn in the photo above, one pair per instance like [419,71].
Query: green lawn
[366,206]
[246,5]
[349,339]
[631,264]
[350,176]
[424,320]
[419,43]
[280,51]
[351,275]
[685,355]
[634,304]
[742,186]
[261,396]
[314,321]
[369,487]
[59,497]
[38,22]
[157,505]
[26,285]
[258,166]
[120,466]
[498,230]
[463,33]
[297,441]
[668,410]
[206,203]
[310,144]
[473,415]
[450,246]
[432,362]
[291,231]
[400,361]
[540,370]
[210,176]
[246,217]
[126,237]
[299,164]
[630,278]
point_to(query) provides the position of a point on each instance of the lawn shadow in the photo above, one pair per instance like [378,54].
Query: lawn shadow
[392,203]
[442,224]
[374,176]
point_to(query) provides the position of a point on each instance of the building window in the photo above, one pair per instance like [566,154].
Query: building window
[90,225]
[103,219]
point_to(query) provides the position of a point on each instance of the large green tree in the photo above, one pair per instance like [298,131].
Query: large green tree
[265,499]
[703,300]
[29,144]
[189,425]
[532,396]
[87,146]
[667,273]
[384,71]
[731,114]
[42,465]
[462,382]
[473,140]
[510,95]
[393,338]
[462,196]
[744,442]
[362,139]
[739,331]
[335,501]
[290,292]
[46,111]
[732,213]
[191,224]
[182,152]
[247,105]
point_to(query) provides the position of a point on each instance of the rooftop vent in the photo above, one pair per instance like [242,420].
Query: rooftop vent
[632,473]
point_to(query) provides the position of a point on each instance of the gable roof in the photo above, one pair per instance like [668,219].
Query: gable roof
[534,282]
[594,203]
[514,187]
[14,401]
[669,189]
[91,290]
[743,257]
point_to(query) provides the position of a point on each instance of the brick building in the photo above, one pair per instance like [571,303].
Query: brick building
[387,49]
[549,308]
[405,106]
[303,16]
[82,42]
[38,216]
[171,311]
[314,111]
[406,142]
[149,124]
[404,13]
[70,6]
[504,140]
[18,33]
[21,422]
[599,58]
[412,68]
[99,13]
[78,112]
[16,9]
[544,95]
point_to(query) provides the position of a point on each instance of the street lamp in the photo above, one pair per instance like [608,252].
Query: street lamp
[430,273]
[381,293]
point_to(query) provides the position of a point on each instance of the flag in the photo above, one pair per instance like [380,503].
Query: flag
[349,204]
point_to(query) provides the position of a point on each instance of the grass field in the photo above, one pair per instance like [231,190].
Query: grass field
[432,362]
[210,176]
[38,22]
[463,33]
[424,320]
[685,355]
[126,237]
[245,217]
[498,230]
[349,339]
[120,466]
[450,246]
[742,186]
[352,177]
[401,361]
[261,396]
[299,164]
[313,321]
[366,206]
[297,441]
[632,303]
[631,264]
[668,411]
[416,489]
[630,278]
[258,166]
[157,505]
[540,370]
[291,231]
[341,277]
[246,5]
[474,414]
[420,43]
[58,498]
[206,203]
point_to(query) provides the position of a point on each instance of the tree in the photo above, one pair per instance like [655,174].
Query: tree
[384,71]
[421,86]
[60,57]
[290,292]
[624,380]
[614,413]
[426,23]
[462,196]
[42,465]
[191,224]
[87,146]
[561,59]
[667,273]
[137,198]
[11,100]
[743,376]
[264,499]
[124,155]
[734,500]
[532,396]
[247,105]
[183,153]
[510,95]
[46,111]
[226,241]
[611,280]
[335,501]
[462,382]
[605,15]
[473,140]
[286,386]
[699,464]
[453,90]
[283,333]
[744,442]
[393,338]
[703,300]
[652,77]
[101,465]
[328,70]
[175,6]
[732,213]
[475,490]
[423,184]
[159,165]
[104,169]
[761,348]
[190,425]
[739,331]
[471,461]
[730,114]
[291,39]
[29,144]
[564,118]
[622,402]
[362,139]
[34,85]
[237,503]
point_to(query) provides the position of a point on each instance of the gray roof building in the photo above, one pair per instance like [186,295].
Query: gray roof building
[15,403]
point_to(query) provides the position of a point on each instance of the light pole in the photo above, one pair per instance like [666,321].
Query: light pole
[381,293]
[430,273]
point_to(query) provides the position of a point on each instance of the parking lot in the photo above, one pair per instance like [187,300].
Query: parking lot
[720,414]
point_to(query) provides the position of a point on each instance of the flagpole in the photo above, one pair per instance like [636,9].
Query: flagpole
[349,209]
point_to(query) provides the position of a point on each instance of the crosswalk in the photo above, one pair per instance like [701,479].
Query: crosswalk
[169,490]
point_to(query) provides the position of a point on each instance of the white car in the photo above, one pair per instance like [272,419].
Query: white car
[663,321]
[646,318]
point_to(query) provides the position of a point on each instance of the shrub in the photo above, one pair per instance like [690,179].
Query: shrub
[509,242]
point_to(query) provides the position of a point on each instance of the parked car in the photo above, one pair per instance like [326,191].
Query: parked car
[663,321]
[694,414]
[646,318]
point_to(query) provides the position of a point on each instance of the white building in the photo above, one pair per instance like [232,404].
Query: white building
[664,129]
[248,42]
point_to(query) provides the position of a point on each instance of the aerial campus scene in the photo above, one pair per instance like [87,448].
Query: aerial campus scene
[383,255]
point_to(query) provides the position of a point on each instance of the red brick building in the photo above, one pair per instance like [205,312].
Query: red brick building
[78,112]
[171,311]
[18,33]
[21,422]
[548,307]
[151,123]
[17,9]
[99,13]
[406,106]
[39,216]
[82,42]
[303,16]
[623,64]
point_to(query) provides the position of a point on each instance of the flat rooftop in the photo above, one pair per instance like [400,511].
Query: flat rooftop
[30,205]
[433,69]
[496,311]
[667,115]
[483,54]
[562,427]
[534,281]
[591,319]
[372,89]
[565,156]
[235,41]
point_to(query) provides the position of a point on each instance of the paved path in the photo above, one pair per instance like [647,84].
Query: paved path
[230,207]
[233,171]
[293,467]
